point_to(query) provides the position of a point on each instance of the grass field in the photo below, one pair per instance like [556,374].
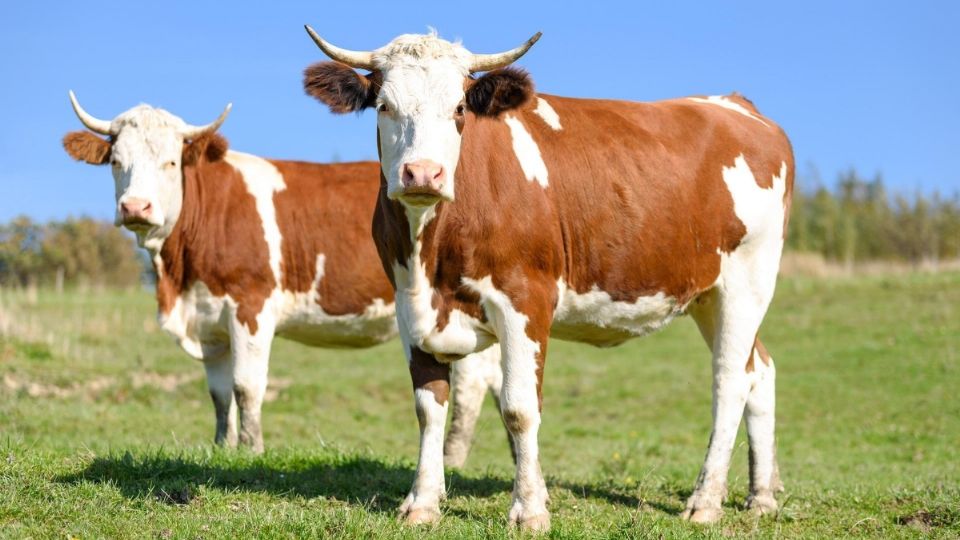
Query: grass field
[105,428]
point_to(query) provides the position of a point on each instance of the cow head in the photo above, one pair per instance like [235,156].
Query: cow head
[146,151]
[422,88]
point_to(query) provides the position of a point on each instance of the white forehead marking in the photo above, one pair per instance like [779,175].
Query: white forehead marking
[527,152]
[550,116]
[145,132]
[411,50]
[722,101]
[263,180]
[423,75]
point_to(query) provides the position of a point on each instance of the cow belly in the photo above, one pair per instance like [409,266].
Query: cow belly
[301,319]
[594,317]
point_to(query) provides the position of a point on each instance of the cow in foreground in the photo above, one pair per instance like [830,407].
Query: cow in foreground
[505,216]
[247,248]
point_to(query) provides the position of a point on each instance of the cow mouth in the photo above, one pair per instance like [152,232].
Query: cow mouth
[137,224]
[420,195]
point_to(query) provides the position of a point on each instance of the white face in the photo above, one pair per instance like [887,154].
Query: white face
[145,161]
[418,107]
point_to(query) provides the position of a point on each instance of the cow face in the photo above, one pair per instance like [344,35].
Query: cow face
[145,151]
[422,89]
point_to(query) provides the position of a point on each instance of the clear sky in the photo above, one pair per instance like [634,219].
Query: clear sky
[870,85]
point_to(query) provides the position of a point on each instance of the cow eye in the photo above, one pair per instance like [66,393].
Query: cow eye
[382,107]
[170,164]
[460,109]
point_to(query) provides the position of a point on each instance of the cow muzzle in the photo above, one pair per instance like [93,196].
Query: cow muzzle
[136,213]
[422,182]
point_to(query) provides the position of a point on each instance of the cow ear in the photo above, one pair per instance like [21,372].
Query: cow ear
[499,91]
[87,147]
[210,148]
[341,88]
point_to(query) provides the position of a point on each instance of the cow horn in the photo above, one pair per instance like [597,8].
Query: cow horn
[487,62]
[93,124]
[192,132]
[354,59]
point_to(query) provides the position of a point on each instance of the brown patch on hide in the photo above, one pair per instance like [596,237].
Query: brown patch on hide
[326,209]
[429,374]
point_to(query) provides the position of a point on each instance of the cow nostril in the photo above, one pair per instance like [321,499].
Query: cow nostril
[146,208]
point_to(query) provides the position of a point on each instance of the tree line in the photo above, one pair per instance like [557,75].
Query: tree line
[74,252]
[857,220]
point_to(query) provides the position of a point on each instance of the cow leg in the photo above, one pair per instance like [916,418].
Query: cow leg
[729,317]
[522,329]
[431,390]
[468,381]
[251,360]
[219,369]
[759,416]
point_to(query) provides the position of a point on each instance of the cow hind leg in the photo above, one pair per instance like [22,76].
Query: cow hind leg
[760,419]
[219,370]
[729,317]
[470,377]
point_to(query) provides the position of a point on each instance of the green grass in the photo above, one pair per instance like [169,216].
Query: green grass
[105,428]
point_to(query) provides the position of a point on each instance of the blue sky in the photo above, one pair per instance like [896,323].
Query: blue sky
[870,85]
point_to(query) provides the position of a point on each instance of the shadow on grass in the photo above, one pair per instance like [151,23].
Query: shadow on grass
[376,485]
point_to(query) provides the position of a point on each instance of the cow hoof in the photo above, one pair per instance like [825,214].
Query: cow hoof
[420,516]
[702,515]
[537,524]
[762,503]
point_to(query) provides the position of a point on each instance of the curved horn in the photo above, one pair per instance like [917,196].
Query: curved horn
[487,62]
[192,132]
[354,59]
[93,124]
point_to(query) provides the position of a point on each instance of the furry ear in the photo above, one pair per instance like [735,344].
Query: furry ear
[85,146]
[208,148]
[499,91]
[340,87]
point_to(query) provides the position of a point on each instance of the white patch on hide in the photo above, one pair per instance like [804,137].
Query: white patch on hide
[550,116]
[723,101]
[594,317]
[527,152]
[263,180]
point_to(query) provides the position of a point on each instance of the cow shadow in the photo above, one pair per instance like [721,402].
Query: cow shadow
[351,480]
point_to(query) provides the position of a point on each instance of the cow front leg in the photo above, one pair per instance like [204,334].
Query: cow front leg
[431,390]
[522,329]
[219,368]
[251,361]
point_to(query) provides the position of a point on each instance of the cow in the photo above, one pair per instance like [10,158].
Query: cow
[246,248]
[505,216]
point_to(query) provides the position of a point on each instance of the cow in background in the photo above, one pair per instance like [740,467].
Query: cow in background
[246,248]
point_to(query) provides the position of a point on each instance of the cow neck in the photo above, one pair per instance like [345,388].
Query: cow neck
[169,255]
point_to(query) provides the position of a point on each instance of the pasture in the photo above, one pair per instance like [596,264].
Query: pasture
[105,428]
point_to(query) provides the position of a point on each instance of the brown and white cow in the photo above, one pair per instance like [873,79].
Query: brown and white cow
[505,216]
[246,248]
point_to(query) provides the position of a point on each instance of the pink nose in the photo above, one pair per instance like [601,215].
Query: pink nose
[423,176]
[133,210]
